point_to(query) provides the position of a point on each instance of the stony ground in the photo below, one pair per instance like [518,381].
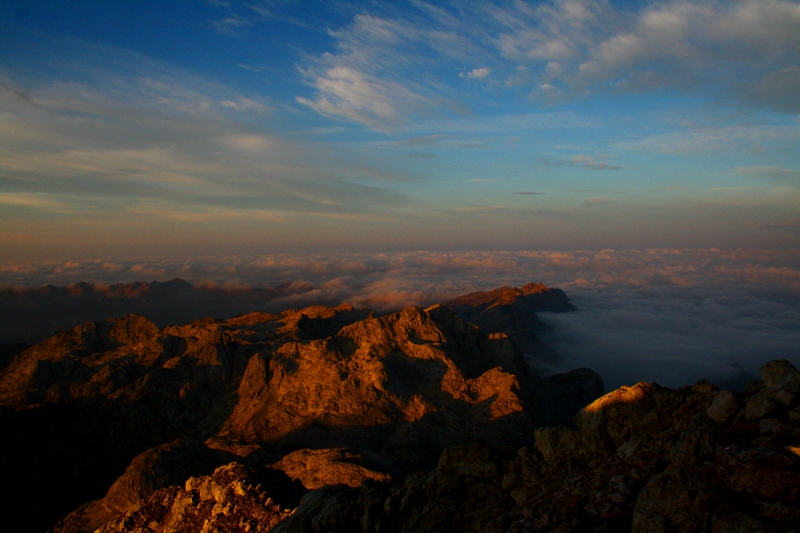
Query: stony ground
[643,459]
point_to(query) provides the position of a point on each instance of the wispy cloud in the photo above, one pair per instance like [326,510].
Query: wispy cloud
[151,136]
[746,50]
[429,140]
[370,100]
[749,137]
[245,105]
[596,201]
[778,173]
[373,75]
[582,160]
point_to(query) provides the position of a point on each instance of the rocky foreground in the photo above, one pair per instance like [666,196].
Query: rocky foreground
[332,419]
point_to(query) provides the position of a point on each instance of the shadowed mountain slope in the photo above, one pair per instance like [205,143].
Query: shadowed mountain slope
[393,391]
[513,312]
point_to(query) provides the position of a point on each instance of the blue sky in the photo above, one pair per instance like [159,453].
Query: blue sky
[211,127]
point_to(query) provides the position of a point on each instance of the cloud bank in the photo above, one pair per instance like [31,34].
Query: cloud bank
[671,316]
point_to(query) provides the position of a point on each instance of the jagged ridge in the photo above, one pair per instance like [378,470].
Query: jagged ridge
[396,390]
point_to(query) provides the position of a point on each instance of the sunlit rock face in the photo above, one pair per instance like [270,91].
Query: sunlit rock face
[513,311]
[389,392]
[643,458]
[333,419]
[384,383]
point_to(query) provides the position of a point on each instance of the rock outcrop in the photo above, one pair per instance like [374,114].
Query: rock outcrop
[644,458]
[334,420]
[320,395]
[513,312]
[232,498]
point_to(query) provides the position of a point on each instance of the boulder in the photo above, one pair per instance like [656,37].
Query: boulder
[724,407]
[318,468]
[781,375]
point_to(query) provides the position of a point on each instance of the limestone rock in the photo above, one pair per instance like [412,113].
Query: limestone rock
[399,388]
[677,471]
[558,444]
[697,443]
[673,501]
[232,498]
[613,418]
[407,384]
[160,467]
[762,473]
[723,407]
[338,466]
[781,375]
[513,311]
[559,397]
[335,399]
[760,405]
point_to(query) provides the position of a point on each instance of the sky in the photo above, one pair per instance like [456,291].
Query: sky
[642,155]
[194,128]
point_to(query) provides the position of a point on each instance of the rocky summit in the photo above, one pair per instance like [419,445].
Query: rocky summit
[334,419]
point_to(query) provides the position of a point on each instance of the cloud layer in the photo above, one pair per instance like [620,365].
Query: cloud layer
[671,316]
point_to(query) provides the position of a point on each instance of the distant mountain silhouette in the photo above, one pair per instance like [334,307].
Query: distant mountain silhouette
[31,315]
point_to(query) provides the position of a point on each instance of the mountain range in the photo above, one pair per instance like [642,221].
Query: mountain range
[331,418]
[30,315]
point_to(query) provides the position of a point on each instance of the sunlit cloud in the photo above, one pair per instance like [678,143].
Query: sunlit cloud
[372,101]
[36,201]
[698,140]
[477,73]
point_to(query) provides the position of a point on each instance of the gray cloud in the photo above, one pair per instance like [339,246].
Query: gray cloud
[778,173]
[749,138]
[584,161]
[747,48]
[429,140]
[421,155]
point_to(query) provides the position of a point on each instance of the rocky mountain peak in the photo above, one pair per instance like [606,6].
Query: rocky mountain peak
[334,419]
[513,312]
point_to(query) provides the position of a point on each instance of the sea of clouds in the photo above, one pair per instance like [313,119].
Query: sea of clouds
[670,316]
